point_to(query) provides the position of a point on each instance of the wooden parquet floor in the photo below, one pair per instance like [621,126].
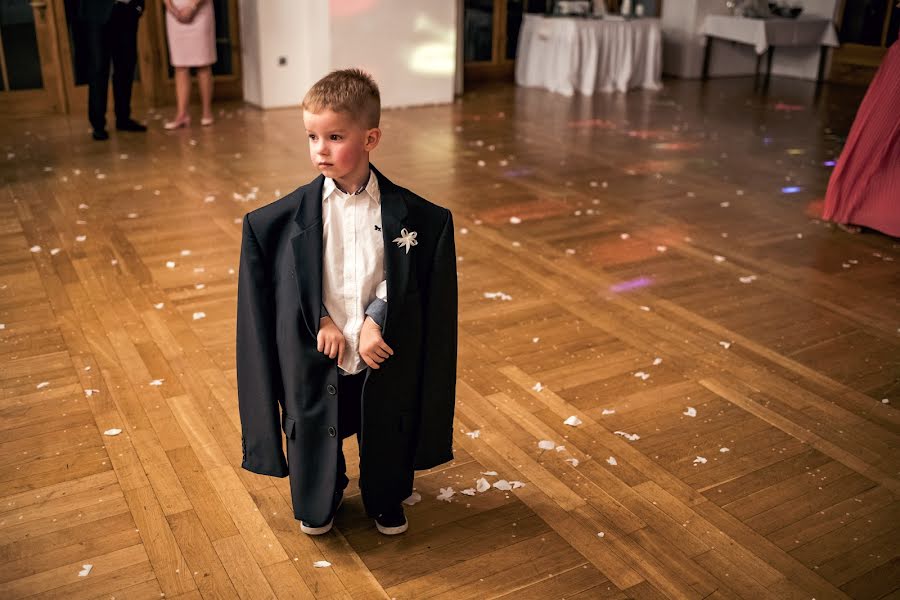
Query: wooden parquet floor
[648,263]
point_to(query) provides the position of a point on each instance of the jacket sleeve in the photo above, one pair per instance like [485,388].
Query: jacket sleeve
[438,391]
[258,371]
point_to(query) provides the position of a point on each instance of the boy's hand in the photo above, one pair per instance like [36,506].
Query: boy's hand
[372,347]
[330,340]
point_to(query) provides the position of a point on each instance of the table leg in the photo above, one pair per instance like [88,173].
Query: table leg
[706,53]
[769,54]
[756,73]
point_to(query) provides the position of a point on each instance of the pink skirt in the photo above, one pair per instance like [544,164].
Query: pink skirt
[192,44]
[864,188]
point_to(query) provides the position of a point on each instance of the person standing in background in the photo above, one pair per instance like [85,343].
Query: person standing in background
[111,35]
[191,33]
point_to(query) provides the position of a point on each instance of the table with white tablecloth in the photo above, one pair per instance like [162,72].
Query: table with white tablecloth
[568,54]
[765,34]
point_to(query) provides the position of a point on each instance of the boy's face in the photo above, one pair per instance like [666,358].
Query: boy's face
[339,145]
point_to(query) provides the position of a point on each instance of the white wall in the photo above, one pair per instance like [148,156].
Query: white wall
[409,47]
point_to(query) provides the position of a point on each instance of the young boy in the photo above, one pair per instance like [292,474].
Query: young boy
[346,321]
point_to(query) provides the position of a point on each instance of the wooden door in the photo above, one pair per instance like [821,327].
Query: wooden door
[30,71]
[866,28]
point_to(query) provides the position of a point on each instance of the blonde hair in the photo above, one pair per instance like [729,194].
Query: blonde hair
[350,91]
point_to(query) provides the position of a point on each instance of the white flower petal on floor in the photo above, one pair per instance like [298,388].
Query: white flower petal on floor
[572,461]
[112,432]
[495,295]
[719,259]
[85,570]
[748,279]
[503,485]
[538,387]
[631,437]
[490,473]
[700,461]
[612,461]
[724,450]
[468,491]
[560,448]
[185,252]
[690,411]
[625,236]
[43,384]
[54,251]
[608,411]
[644,376]
[199,315]
[446,494]
[170,264]
[516,484]
[157,382]
[546,445]
[80,238]
[725,345]
[414,498]
[90,392]
[321,564]
[159,305]
[515,220]
[661,248]
[600,534]
[535,340]
[657,361]
[482,485]
[573,421]
[83,206]
[35,248]
[474,434]
[209,199]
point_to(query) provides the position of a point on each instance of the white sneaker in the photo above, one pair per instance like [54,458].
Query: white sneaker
[309,530]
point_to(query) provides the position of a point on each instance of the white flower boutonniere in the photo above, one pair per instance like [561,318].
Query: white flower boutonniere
[407,239]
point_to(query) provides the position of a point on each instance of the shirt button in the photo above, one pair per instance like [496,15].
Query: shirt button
[332,432]
[331,389]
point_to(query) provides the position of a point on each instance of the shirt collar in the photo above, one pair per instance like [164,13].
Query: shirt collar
[371,188]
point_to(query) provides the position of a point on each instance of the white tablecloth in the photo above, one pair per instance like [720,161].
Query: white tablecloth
[589,55]
[762,33]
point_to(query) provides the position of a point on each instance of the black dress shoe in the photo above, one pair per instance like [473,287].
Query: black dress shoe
[100,134]
[130,125]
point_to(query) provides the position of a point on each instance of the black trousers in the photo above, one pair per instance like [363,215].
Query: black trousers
[112,42]
[349,410]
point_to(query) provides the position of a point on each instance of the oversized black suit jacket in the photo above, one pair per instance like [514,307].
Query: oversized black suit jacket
[285,385]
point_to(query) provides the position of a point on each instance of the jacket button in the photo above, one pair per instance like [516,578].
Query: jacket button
[332,432]
[331,389]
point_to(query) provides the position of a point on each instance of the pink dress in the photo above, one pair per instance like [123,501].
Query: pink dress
[864,188]
[192,44]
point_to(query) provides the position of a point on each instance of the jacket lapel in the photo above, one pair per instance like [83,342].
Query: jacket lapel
[396,260]
[307,247]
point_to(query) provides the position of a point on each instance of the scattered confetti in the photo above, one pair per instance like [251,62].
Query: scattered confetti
[725,345]
[657,361]
[719,259]
[546,445]
[631,437]
[748,279]
[601,534]
[474,434]
[446,494]
[112,432]
[170,264]
[515,220]
[608,411]
[80,238]
[690,412]
[43,384]
[158,305]
[496,295]
[573,421]
[157,382]
[700,461]
[538,387]
[321,564]
[612,461]
[490,473]
[85,570]
[35,248]
[643,376]
[199,315]
[791,189]
[572,461]
[535,340]
[724,450]
[468,491]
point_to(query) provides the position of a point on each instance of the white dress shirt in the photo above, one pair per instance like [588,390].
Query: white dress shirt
[353,275]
